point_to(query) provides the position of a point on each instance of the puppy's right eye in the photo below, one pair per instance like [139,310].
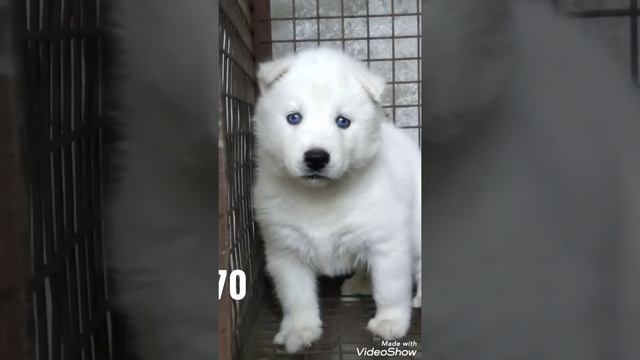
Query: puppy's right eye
[294,119]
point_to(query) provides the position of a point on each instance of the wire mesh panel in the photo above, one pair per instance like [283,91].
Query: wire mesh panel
[242,250]
[63,50]
[383,33]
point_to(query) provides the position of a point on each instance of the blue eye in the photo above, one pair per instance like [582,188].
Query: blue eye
[294,119]
[343,122]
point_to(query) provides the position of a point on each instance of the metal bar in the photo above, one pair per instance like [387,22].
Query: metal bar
[419,64]
[393,62]
[400,106]
[293,10]
[350,39]
[317,19]
[368,35]
[269,19]
[342,23]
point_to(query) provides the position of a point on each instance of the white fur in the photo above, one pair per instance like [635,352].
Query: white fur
[366,213]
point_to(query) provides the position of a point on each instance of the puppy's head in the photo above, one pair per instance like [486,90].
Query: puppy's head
[318,115]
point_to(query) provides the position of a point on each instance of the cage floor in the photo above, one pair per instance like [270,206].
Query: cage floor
[344,329]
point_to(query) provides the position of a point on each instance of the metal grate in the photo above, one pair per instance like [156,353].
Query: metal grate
[63,49]
[383,33]
[242,250]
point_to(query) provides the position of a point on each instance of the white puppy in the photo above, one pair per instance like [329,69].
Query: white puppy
[338,187]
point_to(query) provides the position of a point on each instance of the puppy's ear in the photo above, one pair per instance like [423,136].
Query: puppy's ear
[270,71]
[372,83]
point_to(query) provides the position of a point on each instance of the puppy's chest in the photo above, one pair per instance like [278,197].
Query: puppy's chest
[329,251]
[330,234]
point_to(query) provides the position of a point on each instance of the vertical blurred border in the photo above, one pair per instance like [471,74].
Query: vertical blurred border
[14,341]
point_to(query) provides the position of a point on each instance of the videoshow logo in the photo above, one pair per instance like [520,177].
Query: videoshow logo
[392,349]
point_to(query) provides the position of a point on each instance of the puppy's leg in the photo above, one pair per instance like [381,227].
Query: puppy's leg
[296,288]
[391,276]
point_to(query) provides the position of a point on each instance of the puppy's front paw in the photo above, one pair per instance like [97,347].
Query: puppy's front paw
[389,328]
[298,332]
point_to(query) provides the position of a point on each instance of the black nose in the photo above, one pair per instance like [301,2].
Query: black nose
[316,159]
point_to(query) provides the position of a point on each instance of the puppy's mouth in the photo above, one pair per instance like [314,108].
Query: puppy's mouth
[316,177]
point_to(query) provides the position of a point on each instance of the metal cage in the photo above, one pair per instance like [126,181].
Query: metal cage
[239,247]
[384,34]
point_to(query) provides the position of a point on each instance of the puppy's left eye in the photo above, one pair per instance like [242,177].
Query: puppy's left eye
[343,122]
